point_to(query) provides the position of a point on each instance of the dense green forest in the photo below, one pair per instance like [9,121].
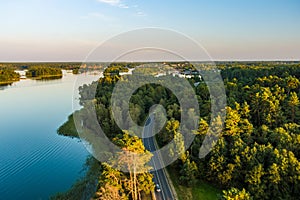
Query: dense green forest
[43,72]
[115,70]
[8,76]
[257,155]
[62,65]
[49,70]
[76,67]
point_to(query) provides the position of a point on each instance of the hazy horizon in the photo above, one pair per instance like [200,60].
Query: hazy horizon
[58,30]
[237,60]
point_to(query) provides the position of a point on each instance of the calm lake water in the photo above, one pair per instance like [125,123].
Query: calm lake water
[35,162]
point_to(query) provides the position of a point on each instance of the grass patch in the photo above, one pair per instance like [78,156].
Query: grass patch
[68,128]
[5,83]
[47,77]
[200,191]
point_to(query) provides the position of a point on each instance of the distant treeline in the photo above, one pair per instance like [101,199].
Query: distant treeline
[115,70]
[74,66]
[8,76]
[67,65]
[22,66]
[51,70]
[43,72]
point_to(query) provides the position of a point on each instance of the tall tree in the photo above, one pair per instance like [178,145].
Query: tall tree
[133,159]
[293,103]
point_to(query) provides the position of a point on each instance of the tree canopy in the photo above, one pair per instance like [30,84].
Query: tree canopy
[257,154]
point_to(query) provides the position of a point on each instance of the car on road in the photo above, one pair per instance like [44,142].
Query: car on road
[157,188]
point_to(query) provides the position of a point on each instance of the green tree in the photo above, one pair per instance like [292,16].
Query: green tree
[236,194]
[111,184]
[188,172]
[8,76]
[255,180]
[293,103]
[134,159]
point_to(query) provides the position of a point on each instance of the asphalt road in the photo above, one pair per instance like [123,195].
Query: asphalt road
[159,176]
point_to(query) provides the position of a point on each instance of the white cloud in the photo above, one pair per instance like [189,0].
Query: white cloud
[123,5]
[96,15]
[141,14]
[117,3]
[111,2]
[120,4]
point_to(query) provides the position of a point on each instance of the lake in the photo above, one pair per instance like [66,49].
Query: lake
[35,162]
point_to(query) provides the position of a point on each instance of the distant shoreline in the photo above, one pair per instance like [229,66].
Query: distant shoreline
[5,83]
[45,77]
[217,61]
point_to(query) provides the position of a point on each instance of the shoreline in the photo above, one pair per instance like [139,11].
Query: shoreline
[6,83]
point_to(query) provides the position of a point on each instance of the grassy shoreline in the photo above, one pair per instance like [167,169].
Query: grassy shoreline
[46,77]
[5,83]
[200,191]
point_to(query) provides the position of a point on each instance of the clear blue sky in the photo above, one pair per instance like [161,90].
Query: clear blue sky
[65,30]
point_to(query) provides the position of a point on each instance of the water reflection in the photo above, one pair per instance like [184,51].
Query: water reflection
[35,161]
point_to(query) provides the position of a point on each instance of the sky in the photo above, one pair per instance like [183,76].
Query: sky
[65,30]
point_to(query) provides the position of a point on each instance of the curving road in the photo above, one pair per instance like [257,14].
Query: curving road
[159,176]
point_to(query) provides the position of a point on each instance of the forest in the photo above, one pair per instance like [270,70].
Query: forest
[8,76]
[22,66]
[256,156]
[39,72]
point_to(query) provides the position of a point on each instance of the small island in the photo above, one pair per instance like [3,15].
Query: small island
[42,73]
[8,76]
